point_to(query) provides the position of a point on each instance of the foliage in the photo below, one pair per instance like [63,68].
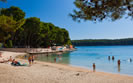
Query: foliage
[103,42]
[8,26]
[98,10]
[15,12]
[16,31]
[3,0]
[8,44]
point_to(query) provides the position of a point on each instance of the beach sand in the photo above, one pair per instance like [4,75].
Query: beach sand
[43,72]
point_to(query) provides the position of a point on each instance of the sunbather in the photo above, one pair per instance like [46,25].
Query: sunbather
[16,63]
[0,54]
[3,61]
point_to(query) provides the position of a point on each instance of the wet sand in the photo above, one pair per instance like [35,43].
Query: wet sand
[44,72]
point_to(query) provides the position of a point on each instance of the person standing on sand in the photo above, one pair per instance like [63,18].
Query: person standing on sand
[29,59]
[33,57]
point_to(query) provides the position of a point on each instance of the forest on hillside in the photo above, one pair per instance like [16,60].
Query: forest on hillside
[103,42]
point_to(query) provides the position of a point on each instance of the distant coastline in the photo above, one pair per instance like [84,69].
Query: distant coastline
[103,42]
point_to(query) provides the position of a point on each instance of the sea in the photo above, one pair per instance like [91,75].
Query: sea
[85,56]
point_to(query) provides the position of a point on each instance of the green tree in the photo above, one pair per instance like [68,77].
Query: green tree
[66,37]
[3,0]
[44,34]
[15,12]
[62,37]
[8,26]
[31,31]
[18,15]
[98,10]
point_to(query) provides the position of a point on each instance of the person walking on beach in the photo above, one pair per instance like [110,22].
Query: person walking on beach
[30,59]
[94,67]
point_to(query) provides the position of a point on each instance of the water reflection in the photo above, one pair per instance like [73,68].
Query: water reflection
[63,58]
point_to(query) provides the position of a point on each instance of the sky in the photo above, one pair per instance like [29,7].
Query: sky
[57,12]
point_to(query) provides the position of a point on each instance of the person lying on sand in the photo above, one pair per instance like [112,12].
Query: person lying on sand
[3,61]
[9,60]
[0,54]
[16,63]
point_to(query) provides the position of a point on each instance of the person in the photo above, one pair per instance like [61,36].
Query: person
[118,62]
[0,54]
[10,59]
[113,58]
[55,59]
[15,63]
[109,58]
[130,60]
[47,55]
[94,67]
[3,61]
[25,56]
[33,59]
[29,59]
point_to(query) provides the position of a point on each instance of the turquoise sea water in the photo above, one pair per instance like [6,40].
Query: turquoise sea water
[85,56]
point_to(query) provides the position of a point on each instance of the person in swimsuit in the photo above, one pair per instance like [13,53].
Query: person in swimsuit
[109,58]
[0,54]
[10,59]
[15,63]
[94,67]
[113,58]
[119,62]
[33,59]
[30,59]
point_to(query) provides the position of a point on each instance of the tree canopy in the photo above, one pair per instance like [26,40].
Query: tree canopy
[16,12]
[8,26]
[3,0]
[18,31]
[98,10]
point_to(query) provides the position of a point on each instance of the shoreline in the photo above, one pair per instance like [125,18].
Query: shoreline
[70,73]
[35,50]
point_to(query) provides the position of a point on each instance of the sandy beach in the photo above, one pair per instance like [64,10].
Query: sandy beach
[43,72]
